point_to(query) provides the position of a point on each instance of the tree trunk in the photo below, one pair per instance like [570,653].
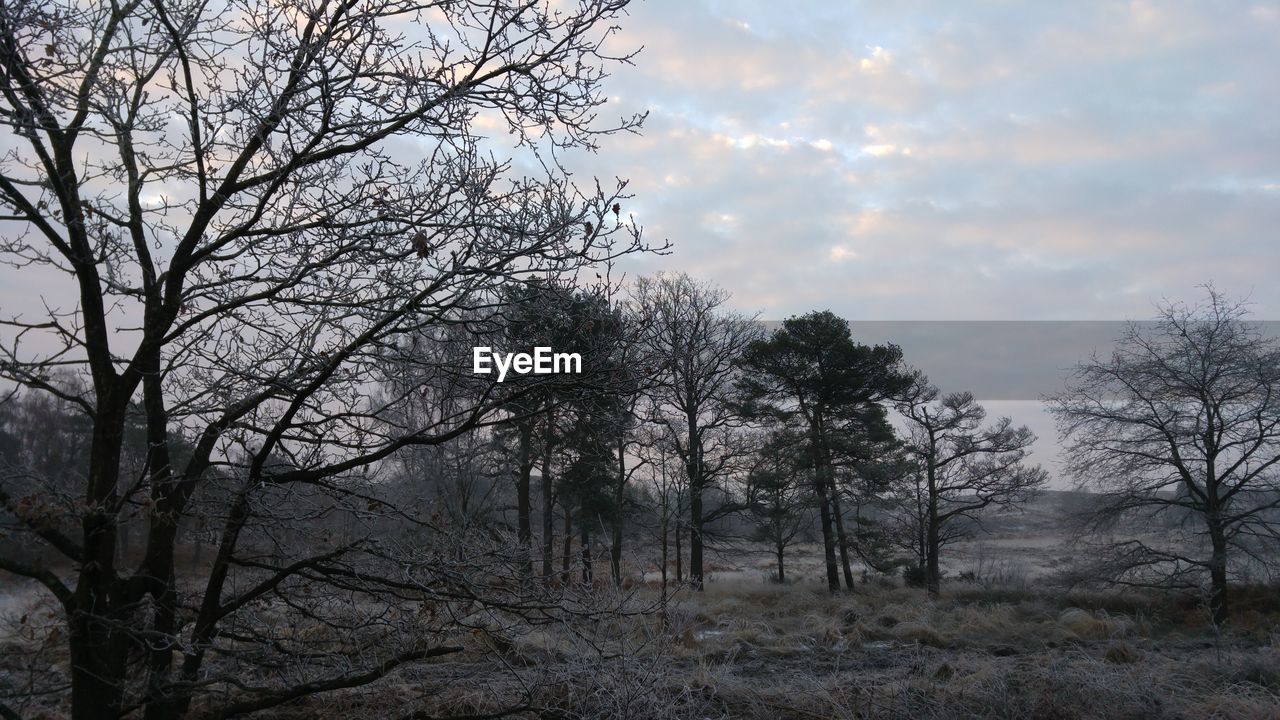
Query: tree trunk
[615,546]
[679,552]
[828,541]
[587,574]
[524,504]
[695,503]
[548,502]
[169,499]
[568,545]
[97,649]
[695,538]
[932,573]
[822,486]
[665,522]
[782,569]
[1218,572]
[615,555]
[840,533]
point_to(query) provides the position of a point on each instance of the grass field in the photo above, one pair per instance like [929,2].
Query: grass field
[1005,643]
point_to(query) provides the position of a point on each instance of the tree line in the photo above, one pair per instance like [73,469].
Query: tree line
[241,438]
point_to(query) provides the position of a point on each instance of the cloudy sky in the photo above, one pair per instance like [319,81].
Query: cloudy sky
[935,160]
[920,160]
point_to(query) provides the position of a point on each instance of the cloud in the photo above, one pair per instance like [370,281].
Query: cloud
[1027,161]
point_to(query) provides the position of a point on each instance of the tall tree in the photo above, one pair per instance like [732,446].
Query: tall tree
[587,483]
[227,208]
[699,341]
[811,376]
[960,468]
[1181,423]
[555,315]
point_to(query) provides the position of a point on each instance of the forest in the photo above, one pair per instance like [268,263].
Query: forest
[247,466]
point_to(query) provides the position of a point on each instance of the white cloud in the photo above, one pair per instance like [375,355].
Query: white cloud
[879,150]
[1068,151]
[877,62]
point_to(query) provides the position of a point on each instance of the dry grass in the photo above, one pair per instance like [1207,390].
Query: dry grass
[750,649]
[760,650]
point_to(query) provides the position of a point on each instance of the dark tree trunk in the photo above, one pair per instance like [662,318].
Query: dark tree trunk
[169,498]
[587,572]
[679,553]
[933,545]
[97,648]
[524,504]
[1218,572]
[695,502]
[615,555]
[548,505]
[782,568]
[615,546]
[821,487]
[828,540]
[695,538]
[840,533]
[665,522]
[568,545]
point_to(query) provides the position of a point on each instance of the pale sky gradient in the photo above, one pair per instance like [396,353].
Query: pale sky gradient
[937,160]
[933,160]
[958,161]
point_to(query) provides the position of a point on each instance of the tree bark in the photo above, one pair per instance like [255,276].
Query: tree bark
[665,522]
[821,487]
[568,545]
[1218,572]
[679,553]
[695,503]
[97,649]
[524,504]
[828,541]
[933,573]
[615,546]
[587,572]
[840,533]
[169,498]
[782,569]
[548,503]
[695,538]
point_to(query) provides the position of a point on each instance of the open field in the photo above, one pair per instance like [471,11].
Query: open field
[1004,643]
[754,650]
[748,648]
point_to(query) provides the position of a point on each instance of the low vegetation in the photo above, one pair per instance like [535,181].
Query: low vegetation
[746,647]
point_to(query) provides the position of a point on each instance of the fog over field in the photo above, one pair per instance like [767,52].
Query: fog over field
[578,359]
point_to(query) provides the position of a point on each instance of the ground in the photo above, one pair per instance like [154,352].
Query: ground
[1006,643]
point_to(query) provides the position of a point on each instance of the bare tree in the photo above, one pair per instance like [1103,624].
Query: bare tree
[222,201]
[664,484]
[699,341]
[1181,424]
[961,468]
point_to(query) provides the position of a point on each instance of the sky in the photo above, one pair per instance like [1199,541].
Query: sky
[944,161]
[932,160]
[936,161]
